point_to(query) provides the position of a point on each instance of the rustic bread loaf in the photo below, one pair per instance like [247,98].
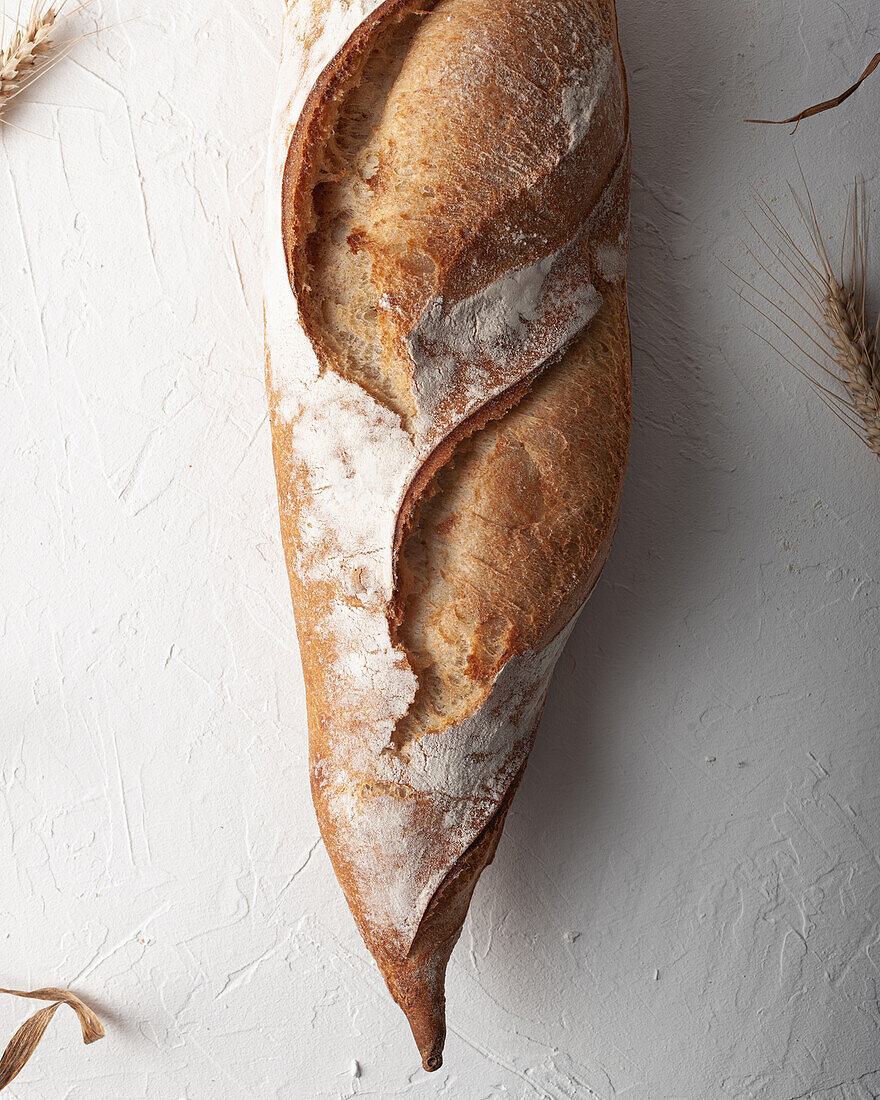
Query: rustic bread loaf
[448,367]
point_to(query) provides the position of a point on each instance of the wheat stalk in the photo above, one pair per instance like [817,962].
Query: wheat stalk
[30,46]
[836,325]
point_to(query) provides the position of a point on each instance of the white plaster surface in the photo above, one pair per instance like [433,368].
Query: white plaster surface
[686,901]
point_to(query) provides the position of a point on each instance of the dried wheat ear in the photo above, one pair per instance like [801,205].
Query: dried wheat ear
[841,338]
[33,50]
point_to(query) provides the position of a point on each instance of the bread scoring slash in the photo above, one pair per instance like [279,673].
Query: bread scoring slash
[448,370]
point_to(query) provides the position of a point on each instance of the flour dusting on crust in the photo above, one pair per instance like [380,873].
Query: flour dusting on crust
[356,455]
[454,349]
[406,818]
[436,803]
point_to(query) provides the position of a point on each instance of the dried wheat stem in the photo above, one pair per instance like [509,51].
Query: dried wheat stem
[855,347]
[30,46]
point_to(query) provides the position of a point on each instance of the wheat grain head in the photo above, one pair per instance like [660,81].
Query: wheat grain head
[29,48]
[833,301]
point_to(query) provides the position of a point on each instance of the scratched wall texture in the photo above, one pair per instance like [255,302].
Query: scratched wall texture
[686,902]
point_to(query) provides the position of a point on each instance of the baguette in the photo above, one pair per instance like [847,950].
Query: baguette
[448,372]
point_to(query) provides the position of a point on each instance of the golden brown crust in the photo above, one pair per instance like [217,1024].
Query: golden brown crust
[405,196]
[520,521]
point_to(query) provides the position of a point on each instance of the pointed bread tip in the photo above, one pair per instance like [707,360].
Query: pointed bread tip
[429,1033]
[418,986]
[417,980]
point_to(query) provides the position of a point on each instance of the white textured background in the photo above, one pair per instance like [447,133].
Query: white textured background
[686,902]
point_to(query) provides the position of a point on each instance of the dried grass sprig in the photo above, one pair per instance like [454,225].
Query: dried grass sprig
[841,339]
[26,1040]
[826,105]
